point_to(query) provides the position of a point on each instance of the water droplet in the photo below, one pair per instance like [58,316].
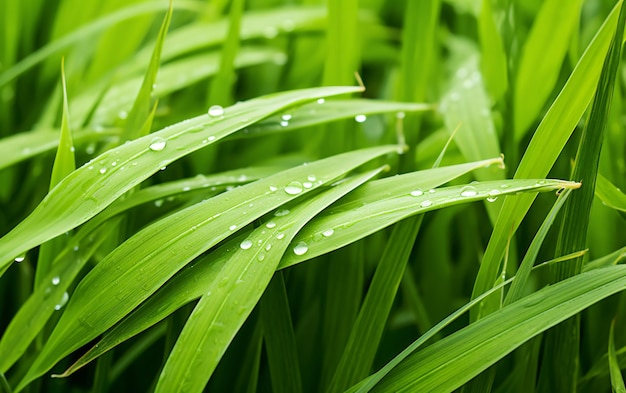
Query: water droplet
[186,188]
[307,184]
[271,224]
[20,259]
[417,193]
[273,188]
[284,123]
[280,236]
[505,186]
[360,118]
[76,248]
[426,203]
[311,178]
[162,168]
[103,170]
[321,101]
[261,256]
[293,188]
[232,227]
[62,302]
[400,115]
[268,247]
[211,138]
[493,195]
[215,111]
[540,183]
[286,117]
[122,115]
[157,144]
[246,244]
[301,248]
[281,212]
[158,203]
[468,191]
[328,232]
[56,280]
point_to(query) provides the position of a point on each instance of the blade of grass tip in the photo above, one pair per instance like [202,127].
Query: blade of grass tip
[64,164]
[561,355]
[543,150]
[617,380]
[280,338]
[610,195]
[537,73]
[220,92]
[4,384]
[136,121]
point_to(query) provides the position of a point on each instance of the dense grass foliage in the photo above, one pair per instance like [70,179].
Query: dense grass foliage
[312,196]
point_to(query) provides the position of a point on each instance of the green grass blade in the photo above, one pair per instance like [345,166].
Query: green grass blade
[280,339]
[610,195]
[543,150]
[95,185]
[240,283]
[617,380]
[130,273]
[353,220]
[537,73]
[140,112]
[560,364]
[493,61]
[4,385]
[449,363]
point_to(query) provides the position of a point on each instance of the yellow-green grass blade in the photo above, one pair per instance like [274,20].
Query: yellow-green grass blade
[560,363]
[138,267]
[48,297]
[279,337]
[449,363]
[327,111]
[493,60]
[239,284]
[87,31]
[95,185]
[617,380]
[537,73]
[220,90]
[140,112]
[611,259]
[610,195]
[543,150]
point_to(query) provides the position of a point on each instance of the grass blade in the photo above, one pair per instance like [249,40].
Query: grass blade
[617,380]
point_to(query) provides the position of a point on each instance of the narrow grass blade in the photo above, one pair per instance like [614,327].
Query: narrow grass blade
[537,73]
[559,371]
[543,150]
[610,195]
[130,274]
[95,185]
[493,61]
[240,283]
[358,217]
[449,363]
[4,385]
[280,339]
[617,380]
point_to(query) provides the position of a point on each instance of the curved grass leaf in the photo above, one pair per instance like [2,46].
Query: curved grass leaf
[95,185]
[610,195]
[238,285]
[617,380]
[449,363]
[142,264]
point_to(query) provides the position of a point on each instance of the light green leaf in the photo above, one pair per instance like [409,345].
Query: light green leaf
[610,195]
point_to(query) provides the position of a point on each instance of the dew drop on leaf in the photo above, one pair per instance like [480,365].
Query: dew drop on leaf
[246,244]
[270,224]
[293,188]
[328,232]
[493,195]
[157,144]
[426,203]
[417,193]
[20,259]
[215,111]
[62,302]
[468,191]
[301,248]
[360,118]
[56,280]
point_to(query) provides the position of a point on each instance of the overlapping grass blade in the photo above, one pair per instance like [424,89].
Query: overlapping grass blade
[610,195]
[617,380]
[239,283]
[95,185]
[449,363]
[131,273]
[543,150]
[537,73]
[493,61]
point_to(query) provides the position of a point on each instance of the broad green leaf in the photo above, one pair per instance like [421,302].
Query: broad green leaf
[610,195]
[95,185]
[617,380]
[141,109]
[537,73]
[239,284]
[543,150]
[449,363]
[142,264]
